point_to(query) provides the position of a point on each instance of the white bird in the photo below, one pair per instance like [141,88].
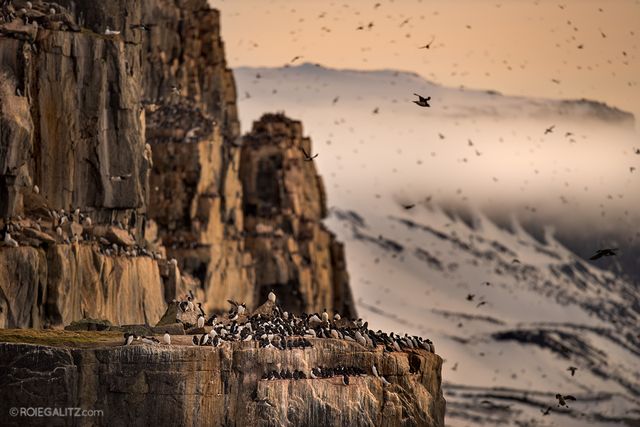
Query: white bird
[336,317]
[59,231]
[10,240]
[384,381]
[375,371]
[166,338]
[200,322]
[312,375]
[87,221]
[241,309]
[36,189]
[272,297]
[109,32]
[360,339]
[325,316]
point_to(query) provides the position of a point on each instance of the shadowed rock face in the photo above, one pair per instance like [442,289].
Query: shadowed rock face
[223,386]
[284,203]
[56,285]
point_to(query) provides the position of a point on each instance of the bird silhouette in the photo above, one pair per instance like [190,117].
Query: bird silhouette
[470,297]
[549,129]
[573,370]
[422,101]
[562,400]
[546,411]
[307,157]
[408,206]
[603,252]
[428,45]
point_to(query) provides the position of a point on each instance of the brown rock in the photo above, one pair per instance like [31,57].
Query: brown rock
[302,263]
[39,235]
[119,236]
[188,384]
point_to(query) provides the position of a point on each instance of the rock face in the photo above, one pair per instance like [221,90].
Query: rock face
[52,286]
[139,130]
[284,204]
[222,386]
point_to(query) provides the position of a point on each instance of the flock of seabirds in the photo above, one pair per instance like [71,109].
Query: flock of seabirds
[272,328]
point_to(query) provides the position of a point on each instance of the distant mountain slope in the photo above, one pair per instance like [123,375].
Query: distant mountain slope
[508,313]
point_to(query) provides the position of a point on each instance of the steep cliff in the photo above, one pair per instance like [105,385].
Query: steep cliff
[284,204]
[138,384]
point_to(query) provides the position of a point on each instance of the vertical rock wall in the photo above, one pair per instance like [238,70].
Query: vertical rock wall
[284,203]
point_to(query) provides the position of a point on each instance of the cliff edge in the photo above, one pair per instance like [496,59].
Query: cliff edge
[223,386]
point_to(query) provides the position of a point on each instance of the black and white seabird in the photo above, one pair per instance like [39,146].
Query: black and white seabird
[195,340]
[166,338]
[603,253]
[422,101]
[128,338]
[200,322]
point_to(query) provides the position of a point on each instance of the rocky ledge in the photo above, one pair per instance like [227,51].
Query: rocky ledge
[191,385]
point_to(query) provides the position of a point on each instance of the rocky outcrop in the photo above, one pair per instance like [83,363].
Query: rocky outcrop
[57,284]
[284,203]
[138,129]
[219,386]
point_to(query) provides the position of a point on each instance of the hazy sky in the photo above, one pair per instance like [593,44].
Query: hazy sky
[557,49]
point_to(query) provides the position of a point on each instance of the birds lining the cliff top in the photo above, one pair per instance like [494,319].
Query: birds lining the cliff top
[422,101]
[603,253]
[307,157]
[281,330]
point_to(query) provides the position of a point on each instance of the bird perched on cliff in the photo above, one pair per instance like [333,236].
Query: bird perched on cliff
[200,321]
[110,32]
[603,253]
[166,338]
[36,189]
[345,379]
[573,370]
[307,157]
[143,27]
[271,297]
[128,338]
[422,101]
[194,340]
[10,241]
[149,340]
[200,310]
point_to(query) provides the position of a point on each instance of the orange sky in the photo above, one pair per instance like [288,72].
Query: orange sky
[517,47]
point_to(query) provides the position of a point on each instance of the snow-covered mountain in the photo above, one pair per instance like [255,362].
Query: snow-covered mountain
[490,262]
